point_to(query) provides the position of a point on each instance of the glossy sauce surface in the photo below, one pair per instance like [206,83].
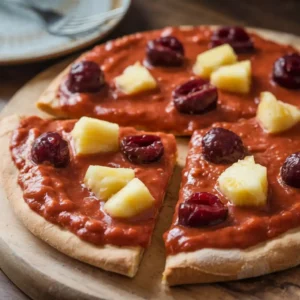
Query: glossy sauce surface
[155,110]
[59,195]
[245,226]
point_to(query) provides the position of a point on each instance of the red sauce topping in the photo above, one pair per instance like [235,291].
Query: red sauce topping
[245,226]
[58,194]
[155,109]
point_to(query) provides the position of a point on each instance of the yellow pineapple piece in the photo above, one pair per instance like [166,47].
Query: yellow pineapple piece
[234,78]
[135,79]
[212,59]
[274,115]
[130,201]
[95,136]
[245,183]
[104,182]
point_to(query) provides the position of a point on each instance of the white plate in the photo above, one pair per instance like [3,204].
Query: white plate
[23,37]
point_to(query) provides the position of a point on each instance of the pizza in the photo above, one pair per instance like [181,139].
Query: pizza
[239,201]
[145,80]
[93,190]
[71,171]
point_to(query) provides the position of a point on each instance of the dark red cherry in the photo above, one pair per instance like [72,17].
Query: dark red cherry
[286,71]
[235,36]
[222,146]
[290,170]
[202,209]
[142,149]
[51,148]
[165,51]
[85,77]
[196,96]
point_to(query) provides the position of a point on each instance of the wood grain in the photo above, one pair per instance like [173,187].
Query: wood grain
[280,15]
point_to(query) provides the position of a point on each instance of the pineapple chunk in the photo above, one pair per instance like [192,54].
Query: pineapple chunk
[212,59]
[105,182]
[274,115]
[245,183]
[94,136]
[234,78]
[135,79]
[133,199]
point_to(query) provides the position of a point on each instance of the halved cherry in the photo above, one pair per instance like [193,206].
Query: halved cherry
[286,71]
[165,51]
[142,149]
[85,77]
[196,96]
[236,37]
[202,209]
[51,148]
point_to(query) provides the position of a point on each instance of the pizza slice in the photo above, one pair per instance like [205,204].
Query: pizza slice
[169,80]
[88,188]
[239,202]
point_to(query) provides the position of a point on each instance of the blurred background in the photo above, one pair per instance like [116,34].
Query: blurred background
[27,48]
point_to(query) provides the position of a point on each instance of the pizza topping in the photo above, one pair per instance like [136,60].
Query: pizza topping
[85,77]
[104,182]
[290,171]
[276,116]
[222,146]
[92,136]
[165,51]
[245,183]
[51,148]
[195,97]
[235,78]
[135,79]
[130,201]
[142,149]
[212,59]
[286,71]
[202,209]
[235,36]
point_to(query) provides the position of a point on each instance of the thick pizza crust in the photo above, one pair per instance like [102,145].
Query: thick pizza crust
[122,260]
[214,265]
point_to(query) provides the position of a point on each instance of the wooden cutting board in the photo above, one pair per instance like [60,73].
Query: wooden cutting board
[44,273]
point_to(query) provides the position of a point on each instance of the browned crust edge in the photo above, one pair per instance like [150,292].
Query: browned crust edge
[122,260]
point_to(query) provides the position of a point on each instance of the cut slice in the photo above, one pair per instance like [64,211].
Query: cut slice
[234,78]
[104,182]
[276,116]
[212,246]
[79,225]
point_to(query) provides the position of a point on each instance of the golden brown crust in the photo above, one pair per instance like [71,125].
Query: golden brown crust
[122,260]
[214,265]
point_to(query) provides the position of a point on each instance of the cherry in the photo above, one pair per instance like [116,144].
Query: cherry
[195,97]
[222,146]
[235,36]
[52,148]
[202,209]
[165,51]
[290,171]
[85,77]
[142,149]
[286,71]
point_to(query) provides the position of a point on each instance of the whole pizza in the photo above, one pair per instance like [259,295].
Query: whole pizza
[91,182]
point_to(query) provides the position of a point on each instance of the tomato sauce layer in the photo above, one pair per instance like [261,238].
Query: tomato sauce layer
[59,195]
[154,110]
[245,226]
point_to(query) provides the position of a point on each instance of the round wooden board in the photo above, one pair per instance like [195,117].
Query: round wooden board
[44,273]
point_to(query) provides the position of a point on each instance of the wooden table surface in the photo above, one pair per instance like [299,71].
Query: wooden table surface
[281,15]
